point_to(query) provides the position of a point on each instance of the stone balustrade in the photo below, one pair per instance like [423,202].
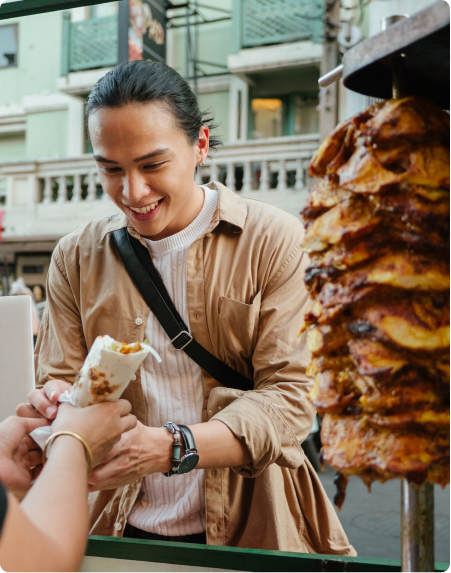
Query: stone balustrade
[54,197]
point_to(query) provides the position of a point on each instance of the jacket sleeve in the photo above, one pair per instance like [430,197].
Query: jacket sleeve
[276,417]
[61,348]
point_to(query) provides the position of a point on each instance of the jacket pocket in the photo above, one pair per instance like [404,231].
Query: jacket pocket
[238,331]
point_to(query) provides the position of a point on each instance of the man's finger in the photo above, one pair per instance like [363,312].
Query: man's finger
[124,407]
[115,451]
[27,411]
[128,422]
[43,405]
[102,474]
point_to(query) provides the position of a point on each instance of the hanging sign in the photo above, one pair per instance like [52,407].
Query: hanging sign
[142,30]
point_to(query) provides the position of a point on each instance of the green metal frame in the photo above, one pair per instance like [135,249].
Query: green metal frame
[29,7]
[92,43]
[262,22]
[237,559]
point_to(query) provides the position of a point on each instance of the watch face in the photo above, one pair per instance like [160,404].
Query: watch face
[188,463]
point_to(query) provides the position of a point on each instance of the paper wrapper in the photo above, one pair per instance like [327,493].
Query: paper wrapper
[104,376]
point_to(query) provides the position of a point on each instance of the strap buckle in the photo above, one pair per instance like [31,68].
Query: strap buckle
[182,342]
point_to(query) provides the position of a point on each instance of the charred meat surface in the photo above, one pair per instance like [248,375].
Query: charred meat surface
[377,325]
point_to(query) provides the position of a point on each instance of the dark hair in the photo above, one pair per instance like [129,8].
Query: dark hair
[146,81]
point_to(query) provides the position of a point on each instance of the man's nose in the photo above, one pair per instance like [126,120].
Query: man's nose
[135,188]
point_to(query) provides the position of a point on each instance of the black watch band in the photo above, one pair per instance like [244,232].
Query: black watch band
[189,461]
[188,439]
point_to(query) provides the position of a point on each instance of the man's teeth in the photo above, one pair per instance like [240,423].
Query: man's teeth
[144,210]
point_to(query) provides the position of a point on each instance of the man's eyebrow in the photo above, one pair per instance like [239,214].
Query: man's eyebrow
[103,159]
[152,154]
[147,156]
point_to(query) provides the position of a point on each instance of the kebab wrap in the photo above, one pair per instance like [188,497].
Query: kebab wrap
[107,370]
[105,374]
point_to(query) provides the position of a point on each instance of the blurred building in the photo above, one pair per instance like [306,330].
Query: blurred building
[253,63]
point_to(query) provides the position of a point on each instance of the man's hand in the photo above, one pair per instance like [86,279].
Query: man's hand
[43,402]
[19,453]
[140,452]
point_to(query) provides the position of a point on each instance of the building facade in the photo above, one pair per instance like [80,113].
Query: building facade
[253,63]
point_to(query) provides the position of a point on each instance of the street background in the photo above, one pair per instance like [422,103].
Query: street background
[372,521]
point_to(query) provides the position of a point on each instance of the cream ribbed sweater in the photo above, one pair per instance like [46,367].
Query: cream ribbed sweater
[173,390]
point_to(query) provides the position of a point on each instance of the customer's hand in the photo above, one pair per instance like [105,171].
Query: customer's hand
[45,400]
[101,425]
[19,453]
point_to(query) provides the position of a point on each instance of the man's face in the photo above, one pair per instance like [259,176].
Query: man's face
[146,165]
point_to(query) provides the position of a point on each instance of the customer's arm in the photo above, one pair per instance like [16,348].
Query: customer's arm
[48,531]
[53,517]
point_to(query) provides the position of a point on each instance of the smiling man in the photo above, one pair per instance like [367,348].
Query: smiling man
[234,269]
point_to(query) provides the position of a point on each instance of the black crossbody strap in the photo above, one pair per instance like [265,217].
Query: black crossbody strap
[139,265]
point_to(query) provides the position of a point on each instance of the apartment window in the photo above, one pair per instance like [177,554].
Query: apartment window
[291,114]
[8,46]
[267,118]
[2,192]
[33,269]
[306,116]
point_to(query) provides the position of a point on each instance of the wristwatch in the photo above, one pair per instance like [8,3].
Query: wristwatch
[189,461]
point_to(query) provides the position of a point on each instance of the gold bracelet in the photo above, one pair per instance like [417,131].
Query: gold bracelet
[73,434]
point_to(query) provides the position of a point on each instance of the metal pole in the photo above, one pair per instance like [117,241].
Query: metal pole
[188,43]
[417,527]
[196,46]
[427,558]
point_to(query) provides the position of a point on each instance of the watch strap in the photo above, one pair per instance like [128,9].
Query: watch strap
[188,439]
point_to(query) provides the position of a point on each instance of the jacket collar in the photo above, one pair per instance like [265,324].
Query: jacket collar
[231,209]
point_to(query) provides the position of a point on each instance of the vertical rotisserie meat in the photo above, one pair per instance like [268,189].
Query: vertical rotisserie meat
[377,232]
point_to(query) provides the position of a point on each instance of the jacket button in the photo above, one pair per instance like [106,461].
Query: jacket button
[209,235]
[138,321]
[133,377]
[118,526]
[214,529]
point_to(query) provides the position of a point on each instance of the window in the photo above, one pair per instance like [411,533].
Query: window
[33,269]
[291,114]
[2,192]
[306,116]
[8,46]
[267,118]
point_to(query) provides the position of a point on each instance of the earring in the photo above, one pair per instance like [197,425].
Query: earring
[200,164]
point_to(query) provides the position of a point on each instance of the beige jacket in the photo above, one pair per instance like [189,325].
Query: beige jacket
[246,296]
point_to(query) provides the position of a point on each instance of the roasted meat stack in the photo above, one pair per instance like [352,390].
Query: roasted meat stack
[377,231]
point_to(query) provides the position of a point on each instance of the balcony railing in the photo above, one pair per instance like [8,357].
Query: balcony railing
[89,44]
[263,22]
[54,197]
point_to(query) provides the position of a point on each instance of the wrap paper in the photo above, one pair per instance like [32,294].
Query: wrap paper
[104,376]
